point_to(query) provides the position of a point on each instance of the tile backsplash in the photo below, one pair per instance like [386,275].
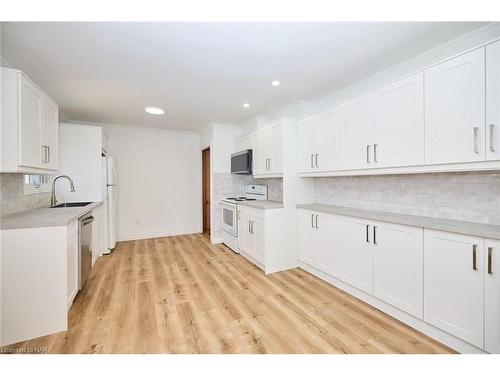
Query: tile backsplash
[12,198]
[468,196]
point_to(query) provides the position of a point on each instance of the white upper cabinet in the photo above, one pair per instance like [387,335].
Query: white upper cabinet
[453,284]
[50,134]
[493,101]
[455,109]
[29,127]
[268,152]
[245,142]
[356,133]
[399,123]
[398,255]
[492,297]
[318,142]
[31,153]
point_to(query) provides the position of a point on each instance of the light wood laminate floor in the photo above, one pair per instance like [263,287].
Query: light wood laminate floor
[182,294]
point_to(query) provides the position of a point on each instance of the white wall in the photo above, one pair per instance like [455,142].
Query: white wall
[80,158]
[159,183]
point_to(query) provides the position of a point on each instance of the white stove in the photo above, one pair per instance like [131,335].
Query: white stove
[229,213]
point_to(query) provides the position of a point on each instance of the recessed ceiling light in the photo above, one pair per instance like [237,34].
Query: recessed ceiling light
[246,105]
[275,83]
[154,110]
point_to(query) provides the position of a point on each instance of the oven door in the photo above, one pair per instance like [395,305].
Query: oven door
[229,219]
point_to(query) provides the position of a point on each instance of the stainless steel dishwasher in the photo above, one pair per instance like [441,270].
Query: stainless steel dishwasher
[85,248]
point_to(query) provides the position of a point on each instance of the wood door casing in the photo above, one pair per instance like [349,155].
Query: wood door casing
[206,190]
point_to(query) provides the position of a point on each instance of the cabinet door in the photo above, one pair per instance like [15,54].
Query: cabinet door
[398,254]
[306,144]
[308,240]
[355,253]
[30,123]
[326,153]
[453,284]
[50,133]
[399,123]
[258,239]
[243,233]
[261,152]
[455,110]
[355,134]
[493,101]
[492,297]
[326,243]
[275,149]
[72,262]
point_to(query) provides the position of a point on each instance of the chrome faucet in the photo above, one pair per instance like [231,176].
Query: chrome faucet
[53,200]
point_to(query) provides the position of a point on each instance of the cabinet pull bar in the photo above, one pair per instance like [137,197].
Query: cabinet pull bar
[312,220]
[374,234]
[316,225]
[312,160]
[48,154]
[474,257]
[317,164]
[492,129]
[490,260]
[249,226]
[367,233]
[269,163]
[476,147]
[375,147]
[368,154]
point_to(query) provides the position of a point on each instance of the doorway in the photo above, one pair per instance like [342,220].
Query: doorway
[205,156]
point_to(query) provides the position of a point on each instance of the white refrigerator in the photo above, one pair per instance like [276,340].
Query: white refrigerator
[110,198]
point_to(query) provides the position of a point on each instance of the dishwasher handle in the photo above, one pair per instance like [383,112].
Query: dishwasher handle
[87,220]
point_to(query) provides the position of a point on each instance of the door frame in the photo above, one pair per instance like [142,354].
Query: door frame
[202,221]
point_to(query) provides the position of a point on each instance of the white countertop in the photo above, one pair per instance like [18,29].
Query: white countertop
[464,227]
[44,217]
[262,204]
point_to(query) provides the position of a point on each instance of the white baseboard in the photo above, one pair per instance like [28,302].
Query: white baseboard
[156,234]
[418,324]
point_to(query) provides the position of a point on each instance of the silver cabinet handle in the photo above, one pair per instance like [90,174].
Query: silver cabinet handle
[375,147]
[312,220]
[45,158]
[252,227]
[474,257]
[270,164]
[317,165]
[316,224]
[367,233]
[490,260]
[48,154]
[312,160]
[476,133]
[374,234]
[368,154]
[492,130]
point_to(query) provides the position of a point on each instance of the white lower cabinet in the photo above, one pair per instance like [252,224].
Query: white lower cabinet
[492,297]
[317,241]
[251,240]
[398,266]
[355,253]
[453,284]
[450,281]
[72,259]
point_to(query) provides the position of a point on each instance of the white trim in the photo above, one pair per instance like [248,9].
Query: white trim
[437,334]
[434,168]
[157,234]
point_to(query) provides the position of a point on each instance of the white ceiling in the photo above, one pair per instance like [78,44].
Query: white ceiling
[203,72]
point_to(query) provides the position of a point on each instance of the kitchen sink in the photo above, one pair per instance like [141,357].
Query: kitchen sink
[71,204]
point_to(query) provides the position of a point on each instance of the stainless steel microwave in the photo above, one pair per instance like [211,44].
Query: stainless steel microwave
[241,162]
